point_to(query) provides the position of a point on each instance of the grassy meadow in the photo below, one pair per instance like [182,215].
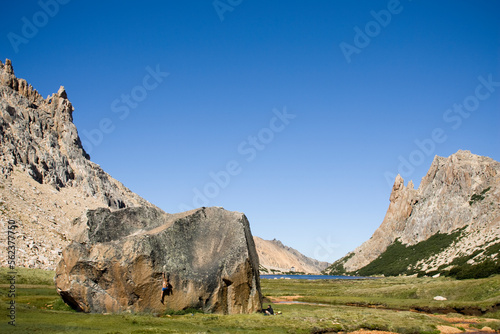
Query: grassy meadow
[320,306]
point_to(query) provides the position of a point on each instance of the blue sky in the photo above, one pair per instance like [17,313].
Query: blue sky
[297,113]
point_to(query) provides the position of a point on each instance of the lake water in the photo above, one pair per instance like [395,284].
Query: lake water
[310,277]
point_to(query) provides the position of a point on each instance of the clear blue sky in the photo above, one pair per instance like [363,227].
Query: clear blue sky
[303,109]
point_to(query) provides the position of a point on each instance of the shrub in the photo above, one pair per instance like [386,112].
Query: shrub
[479,270]
[402,259]
[337,268]
[478,197]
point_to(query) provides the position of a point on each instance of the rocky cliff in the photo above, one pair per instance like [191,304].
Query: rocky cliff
[453,217]
[46,177]
[117,259]
[274,257]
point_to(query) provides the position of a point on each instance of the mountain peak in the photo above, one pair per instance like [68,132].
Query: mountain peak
[7,67]
[46,175]
[461,191]
[62,92]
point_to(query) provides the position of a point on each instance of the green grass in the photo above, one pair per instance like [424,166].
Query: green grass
[28,276]
[40,310]
[394,292]
[295,319]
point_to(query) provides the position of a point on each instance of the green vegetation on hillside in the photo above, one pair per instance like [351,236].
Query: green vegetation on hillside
[485,265]
[337,268]
[263,269]
[480,270]
[478,197]
[399,259]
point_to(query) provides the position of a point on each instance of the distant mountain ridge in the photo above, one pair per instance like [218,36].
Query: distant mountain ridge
[276,258]
[451,220]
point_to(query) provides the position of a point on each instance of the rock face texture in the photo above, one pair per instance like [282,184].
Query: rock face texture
[46,177]
[274,257]
[458,192]
[39,137]
[116,261]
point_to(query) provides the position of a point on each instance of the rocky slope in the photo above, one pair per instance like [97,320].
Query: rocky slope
[46,177]
[277,258]
[454,216]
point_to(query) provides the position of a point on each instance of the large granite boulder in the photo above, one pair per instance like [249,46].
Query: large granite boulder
[117,259]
